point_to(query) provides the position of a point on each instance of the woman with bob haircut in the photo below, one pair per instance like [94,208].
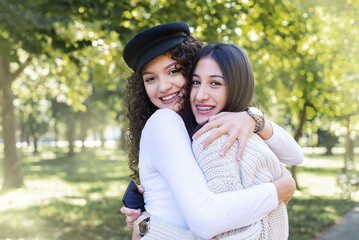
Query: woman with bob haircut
[223,80]
[176,190]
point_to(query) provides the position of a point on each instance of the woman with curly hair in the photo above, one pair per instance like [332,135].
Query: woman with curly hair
[139,105]
[176,190]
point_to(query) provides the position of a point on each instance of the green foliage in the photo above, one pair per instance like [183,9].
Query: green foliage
[29,25]
[33,118]
[297,50]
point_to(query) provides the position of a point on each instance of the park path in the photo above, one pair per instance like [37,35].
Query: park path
[347,229]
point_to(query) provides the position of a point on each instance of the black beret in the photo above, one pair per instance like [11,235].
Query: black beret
[152,42]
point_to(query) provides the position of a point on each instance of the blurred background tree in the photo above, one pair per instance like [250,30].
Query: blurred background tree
[62,72]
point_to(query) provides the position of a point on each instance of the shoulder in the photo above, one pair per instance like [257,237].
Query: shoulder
[164,122]
[215,145]
[202,137]
[164,116]
[256,143]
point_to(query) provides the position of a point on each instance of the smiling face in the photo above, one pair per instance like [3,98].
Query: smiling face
[164,82]
[209,90]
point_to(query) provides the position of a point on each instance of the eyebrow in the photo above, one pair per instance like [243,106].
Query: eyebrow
[213,76]
[167,67]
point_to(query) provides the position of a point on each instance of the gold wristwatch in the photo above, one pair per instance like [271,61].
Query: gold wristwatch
[258,117]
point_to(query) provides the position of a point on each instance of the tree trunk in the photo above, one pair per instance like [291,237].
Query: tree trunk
[28,140]
[102,138]
[35,144]
[56,131]
[298,135]
[12,164]
[70,134]
[83,134]
[349,148]
[330,142]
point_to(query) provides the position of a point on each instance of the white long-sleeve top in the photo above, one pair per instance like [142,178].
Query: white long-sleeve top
[284,146]
[177,192]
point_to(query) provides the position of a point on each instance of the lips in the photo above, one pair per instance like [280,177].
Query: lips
[169,98]
[204,109]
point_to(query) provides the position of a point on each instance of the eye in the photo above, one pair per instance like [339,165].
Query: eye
[174,71]
[149,79]
[216,83]
[196,83]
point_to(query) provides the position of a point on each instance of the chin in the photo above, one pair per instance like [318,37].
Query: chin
[202,121]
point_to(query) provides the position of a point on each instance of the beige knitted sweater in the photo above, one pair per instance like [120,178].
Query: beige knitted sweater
[258,165]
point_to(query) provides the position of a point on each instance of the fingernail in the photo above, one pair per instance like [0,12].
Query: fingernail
[203,144]
[221,153]
[239,159]
[194,137]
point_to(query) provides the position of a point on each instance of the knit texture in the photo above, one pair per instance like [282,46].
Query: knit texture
[258,165]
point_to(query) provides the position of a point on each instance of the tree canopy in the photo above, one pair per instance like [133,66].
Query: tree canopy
[61,62]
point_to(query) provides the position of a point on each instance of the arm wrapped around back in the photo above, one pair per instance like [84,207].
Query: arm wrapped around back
[258,165]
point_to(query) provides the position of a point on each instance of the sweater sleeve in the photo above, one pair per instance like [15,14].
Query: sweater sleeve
[284,146]
[207,214]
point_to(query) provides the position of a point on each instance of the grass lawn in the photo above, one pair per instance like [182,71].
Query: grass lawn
[80,198]
[63,198]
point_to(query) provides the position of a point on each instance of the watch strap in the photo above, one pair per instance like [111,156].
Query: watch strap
[258,118]
[258,125]
[261,129]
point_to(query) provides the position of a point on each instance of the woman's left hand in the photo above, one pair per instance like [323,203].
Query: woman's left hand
[239,125]
[131,215]
[135,234]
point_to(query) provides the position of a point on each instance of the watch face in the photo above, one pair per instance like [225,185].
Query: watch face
[142,227]
[255,111]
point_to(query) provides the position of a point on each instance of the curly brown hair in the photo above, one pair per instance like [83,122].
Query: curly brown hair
[140,108]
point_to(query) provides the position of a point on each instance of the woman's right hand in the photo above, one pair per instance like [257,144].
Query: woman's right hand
[285,186]
[238,125]
[132,214]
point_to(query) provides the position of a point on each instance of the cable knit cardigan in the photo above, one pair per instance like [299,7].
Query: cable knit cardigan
[258,165]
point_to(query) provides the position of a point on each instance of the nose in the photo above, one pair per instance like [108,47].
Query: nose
[164,85]
[202,93]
